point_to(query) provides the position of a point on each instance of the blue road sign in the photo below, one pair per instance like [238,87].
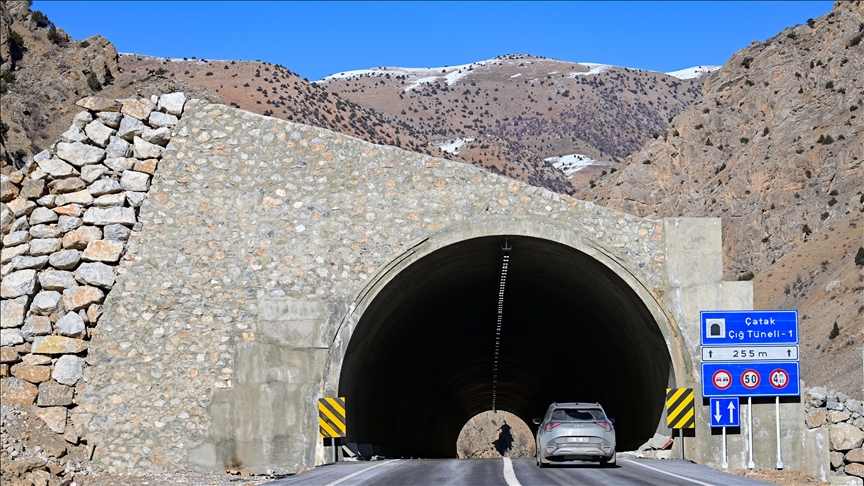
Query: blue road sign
[736,328]
[755,379]
[725,412]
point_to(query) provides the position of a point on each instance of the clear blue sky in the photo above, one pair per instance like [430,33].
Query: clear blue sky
[315,39]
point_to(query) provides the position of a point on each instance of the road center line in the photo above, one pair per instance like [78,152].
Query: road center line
[509,474]
[334,483]
[669,474]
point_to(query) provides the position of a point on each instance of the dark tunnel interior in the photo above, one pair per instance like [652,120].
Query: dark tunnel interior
[420,361]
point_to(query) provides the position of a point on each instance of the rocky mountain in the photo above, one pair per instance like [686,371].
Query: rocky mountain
[529,107]
[273,90]
[43,72]
[774,148]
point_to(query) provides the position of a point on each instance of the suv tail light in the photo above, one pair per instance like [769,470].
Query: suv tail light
[605,425]
[551,425]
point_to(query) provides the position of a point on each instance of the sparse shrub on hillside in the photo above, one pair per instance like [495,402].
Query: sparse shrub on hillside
[811,22]
[3,129]
[833,192]
[699,127]
[83,44]
[835,331]
[40,19]
[792,35]
[825,139]
[708,142]
[720,169]
[706,110]
[859,257]
[746,62]
[854,41]
[93,82]
[746,277]
[745,140]
[765,131]
[806,230]
[55,36]
[824,216]
[646,162]
[829,85]
[109,78]
[17,40]
[832,201]
[749,83]
[208,73]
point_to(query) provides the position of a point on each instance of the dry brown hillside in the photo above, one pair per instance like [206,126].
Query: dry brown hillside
[273,90]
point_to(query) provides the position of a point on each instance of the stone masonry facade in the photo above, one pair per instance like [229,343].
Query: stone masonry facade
[66,218]
[844,419]
[245,208]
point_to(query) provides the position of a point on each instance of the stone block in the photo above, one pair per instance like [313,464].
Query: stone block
[95,103]
[46,303]
[69,223]
[815,397]
[82,197]
[117,232]
[81,297]
[16,238]
[32,374]
[91,173]
[96,273]
[162,120]
[42,216]
[99,133]
[10,337]
[82,118]
[12,312]
[71,325]
[172,103]
[65,186]
[845,481]
[23,262]
[56,168]
[68,370]
[74,134]
[109,200]
[46,201]
[104,186]
[8,191]
[71,210]
[135,199]
[21,207]
[79,154]
[139,109]
[855,469]
[36,326]
[94,312]
[836,459]
[81,237]
[44,246]
[147,166]
[8,253]
[57,345]
[33,190]
[134,181]
[120,164]
[45,231]
[115,215]
[130,128]
[837,416]
[59,280]
[102,251]
[16,284]
[143,149]
[845,437]
[8,355]
[159,136]
[110,118]
[832,403]
[54,418]
[855,455]
[14,391]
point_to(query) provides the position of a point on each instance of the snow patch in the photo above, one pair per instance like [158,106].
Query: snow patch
[693,72]
[593,68]
[570,164]
[453,146]
[516,75]
[417,76]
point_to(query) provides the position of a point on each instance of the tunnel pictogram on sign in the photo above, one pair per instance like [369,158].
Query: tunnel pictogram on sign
[680,410]
[331,417]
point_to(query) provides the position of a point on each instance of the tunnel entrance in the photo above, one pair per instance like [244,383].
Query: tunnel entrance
[419,363]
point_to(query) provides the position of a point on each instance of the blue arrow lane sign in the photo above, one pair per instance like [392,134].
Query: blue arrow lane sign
[749,327]
[725,412]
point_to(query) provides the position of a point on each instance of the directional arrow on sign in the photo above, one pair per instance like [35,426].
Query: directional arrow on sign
[731,408]
[717,413]
[719,407]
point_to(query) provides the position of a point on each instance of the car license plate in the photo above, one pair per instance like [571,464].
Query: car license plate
[577,439]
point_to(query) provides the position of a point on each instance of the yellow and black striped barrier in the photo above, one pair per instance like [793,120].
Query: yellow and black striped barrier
[680,410]
[331,417]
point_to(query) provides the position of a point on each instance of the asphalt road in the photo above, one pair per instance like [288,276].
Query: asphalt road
[512,473]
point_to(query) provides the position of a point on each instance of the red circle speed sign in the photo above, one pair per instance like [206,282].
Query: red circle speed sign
[779,378]
[750,379]
[722,379]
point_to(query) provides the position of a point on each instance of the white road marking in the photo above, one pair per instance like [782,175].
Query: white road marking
[334,483]
[509,474]
[669,474]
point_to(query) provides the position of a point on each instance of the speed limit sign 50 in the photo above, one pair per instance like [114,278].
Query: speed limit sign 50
[750,379]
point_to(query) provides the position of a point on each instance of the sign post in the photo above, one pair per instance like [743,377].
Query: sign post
[725,413]
[680,411]
[749,353]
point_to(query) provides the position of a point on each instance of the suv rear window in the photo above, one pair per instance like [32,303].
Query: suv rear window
[577,415]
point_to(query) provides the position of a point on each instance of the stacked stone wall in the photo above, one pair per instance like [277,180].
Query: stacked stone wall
[844,418]
[66,218]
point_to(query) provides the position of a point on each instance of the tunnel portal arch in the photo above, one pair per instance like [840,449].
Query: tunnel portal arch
[414,358]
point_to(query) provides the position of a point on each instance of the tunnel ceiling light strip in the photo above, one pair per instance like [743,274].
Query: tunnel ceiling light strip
[505,262]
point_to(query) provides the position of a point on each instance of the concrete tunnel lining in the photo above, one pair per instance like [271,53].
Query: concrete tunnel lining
[419,362]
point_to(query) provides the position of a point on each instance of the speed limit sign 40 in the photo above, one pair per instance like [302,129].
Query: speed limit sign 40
[779,378]
[750,379]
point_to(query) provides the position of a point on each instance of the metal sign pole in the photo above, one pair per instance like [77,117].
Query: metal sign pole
[681,435]
[777,406]
[750,465]
[725,464]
